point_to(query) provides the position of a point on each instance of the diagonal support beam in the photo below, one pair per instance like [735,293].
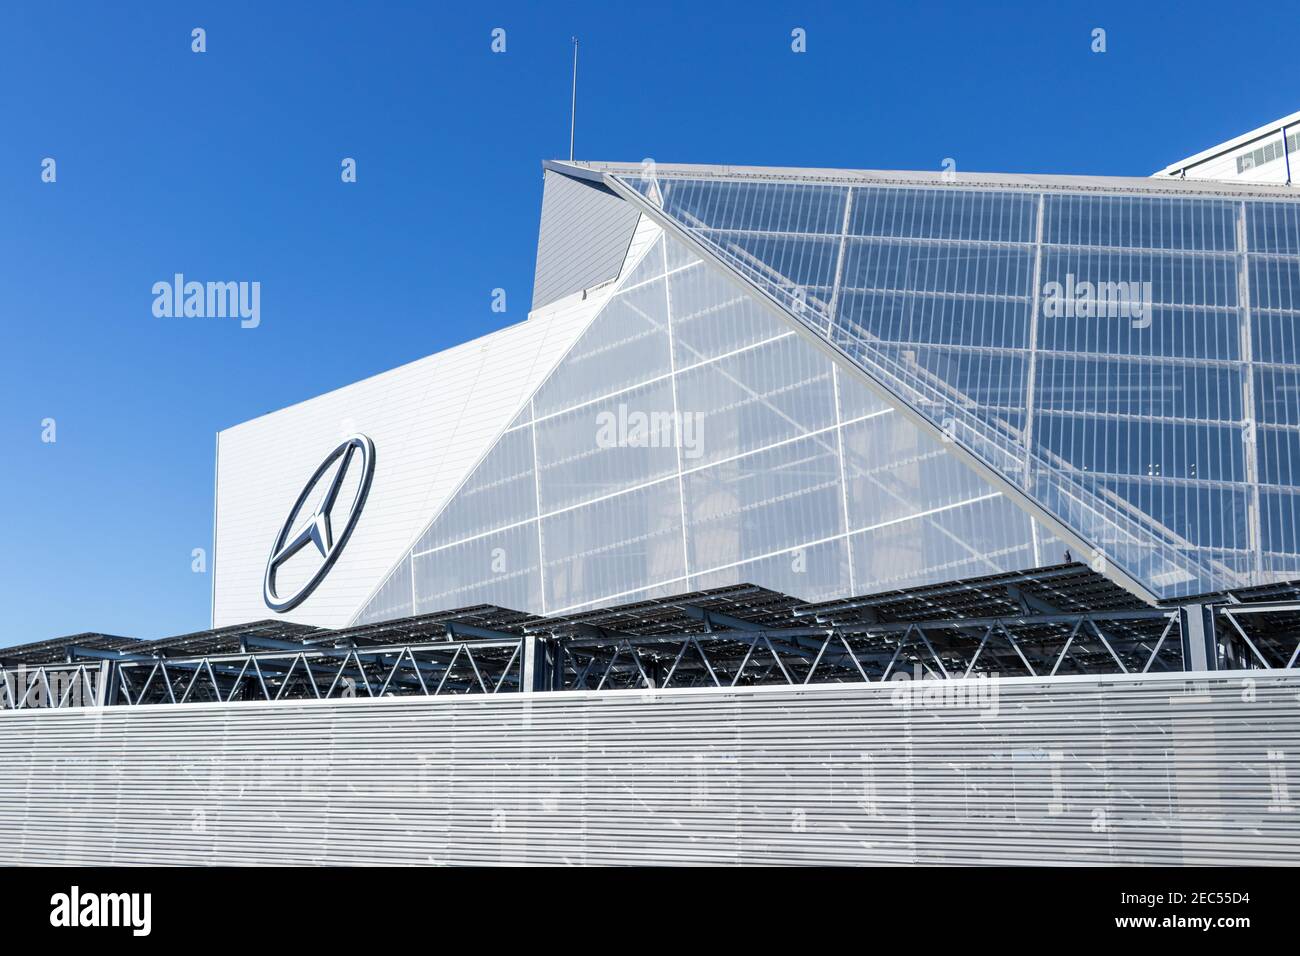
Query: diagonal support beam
[1008,485]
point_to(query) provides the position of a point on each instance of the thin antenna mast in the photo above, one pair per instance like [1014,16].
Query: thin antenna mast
[573,107]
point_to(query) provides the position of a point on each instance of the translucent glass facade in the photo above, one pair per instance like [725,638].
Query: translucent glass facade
[693,439]
[1130,363]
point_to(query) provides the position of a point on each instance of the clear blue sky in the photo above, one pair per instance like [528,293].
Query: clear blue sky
[225,165]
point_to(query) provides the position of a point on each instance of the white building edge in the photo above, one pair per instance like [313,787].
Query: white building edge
[1267,154]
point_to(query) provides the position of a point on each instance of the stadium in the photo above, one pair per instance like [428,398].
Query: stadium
[812,516]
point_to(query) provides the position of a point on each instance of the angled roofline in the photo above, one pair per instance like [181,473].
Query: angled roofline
[574,170]
[1228,145]
[607,290]
[1000,482]
[1123,185]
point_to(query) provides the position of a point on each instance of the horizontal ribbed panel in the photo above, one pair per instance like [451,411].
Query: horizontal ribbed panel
[1161,769]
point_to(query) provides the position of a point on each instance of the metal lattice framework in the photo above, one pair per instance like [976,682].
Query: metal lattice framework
[45,687]
[1270,648]
[1036,646]
[1064,620]
[481,667]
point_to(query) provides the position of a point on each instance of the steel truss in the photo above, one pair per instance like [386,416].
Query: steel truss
[1046,623]
[1036,646]
[1258,636]
[54,686]
[430,670]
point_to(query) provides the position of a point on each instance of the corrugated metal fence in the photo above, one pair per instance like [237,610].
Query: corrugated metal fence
[1123,770]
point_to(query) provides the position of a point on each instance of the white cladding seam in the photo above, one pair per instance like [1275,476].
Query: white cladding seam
[642,241]
[1161,769]
[431,420]
[584,234]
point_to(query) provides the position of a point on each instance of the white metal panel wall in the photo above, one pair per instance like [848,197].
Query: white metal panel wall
[584,235]
[396,596]
[1130,770]
[1224,167]
[1220,162]
[431,421]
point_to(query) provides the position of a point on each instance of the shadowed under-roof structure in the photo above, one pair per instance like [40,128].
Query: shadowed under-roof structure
[1054,621]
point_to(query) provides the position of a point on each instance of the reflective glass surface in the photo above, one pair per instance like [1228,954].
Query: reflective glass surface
[692,439]
[1127,362]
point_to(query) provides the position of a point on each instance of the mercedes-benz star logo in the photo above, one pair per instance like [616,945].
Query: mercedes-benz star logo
[318,529]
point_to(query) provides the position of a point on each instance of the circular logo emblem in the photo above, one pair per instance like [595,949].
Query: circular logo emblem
[340,468]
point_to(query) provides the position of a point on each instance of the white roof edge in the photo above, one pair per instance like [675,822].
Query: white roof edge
[575,170]
[1228,145]
[505,332]
[1123,184]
